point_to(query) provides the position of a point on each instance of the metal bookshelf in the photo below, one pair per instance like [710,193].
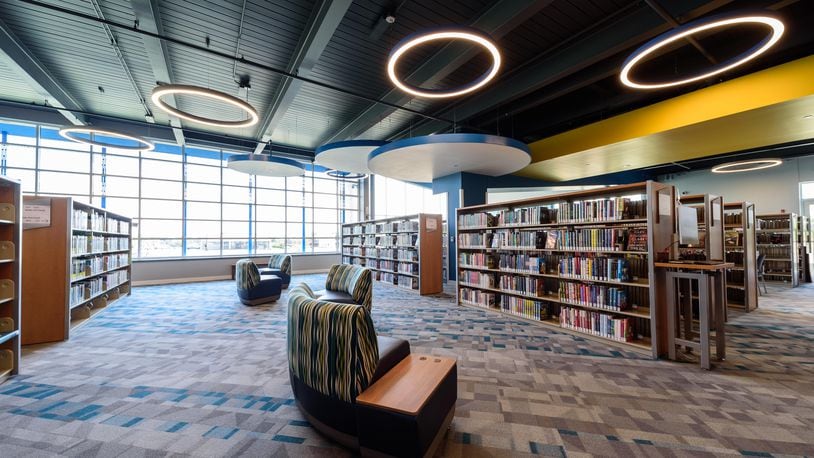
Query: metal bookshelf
[777,238]
[739,243]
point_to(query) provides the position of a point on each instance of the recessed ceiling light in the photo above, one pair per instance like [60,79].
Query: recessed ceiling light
[695,27]
[172,89]
[455,33]
[70,134]
[746,166]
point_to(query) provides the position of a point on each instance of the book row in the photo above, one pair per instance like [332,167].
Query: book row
[96,221]
[403,281]
[85,267]
[372,228]
[603,268]
[615,239]
[733,218]
[84,244]
[775,251]
[526,308]
[765,238]
[597,296]
[594,210]
[597,323]
[779,223]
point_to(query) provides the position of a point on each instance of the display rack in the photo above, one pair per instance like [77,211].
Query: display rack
[10,256]
[76,264]
[580,262]
[741,249]
[404,251]
[777,238]
[710,229]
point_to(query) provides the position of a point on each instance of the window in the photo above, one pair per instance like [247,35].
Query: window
[807,198]
[396,198]
[184,201]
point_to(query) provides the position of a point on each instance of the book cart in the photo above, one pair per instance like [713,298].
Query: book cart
[579,262]
[403,251]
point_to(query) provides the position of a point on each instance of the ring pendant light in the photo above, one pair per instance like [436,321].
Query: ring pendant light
[746,166]
[695,27]
[183,89]
[69,133]
[456,33]
[265,165]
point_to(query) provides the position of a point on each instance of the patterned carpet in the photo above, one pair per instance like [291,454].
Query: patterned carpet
[187,370]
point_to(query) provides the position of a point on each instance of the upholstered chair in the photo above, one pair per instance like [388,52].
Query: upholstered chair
[279,265]
[253,288]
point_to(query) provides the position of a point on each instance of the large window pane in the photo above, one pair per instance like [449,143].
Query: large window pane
[160,228]
[115,186]
[203,247]
[203,174]
[124,207]
[264,246]
[68,161]
[64,183]
[205,192]
[235,229]
[167,209]
[325,201]
[116,165]
[201,210]
[21,134]
[294,246]
[235,194]
[21,156]
[26,177]
[269,213]
[235,246]
[203,229]
[163,248]
[161,169]
[161,189]
[325,230]
[271,197]
[325,245]
[236,212]
[232,177]
[270,230]
[326,216]
[270,182]
[325,186]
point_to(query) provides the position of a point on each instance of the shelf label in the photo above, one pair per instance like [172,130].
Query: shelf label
[432,224]
[37,213]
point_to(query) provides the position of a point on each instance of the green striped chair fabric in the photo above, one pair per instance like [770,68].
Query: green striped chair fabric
[332,347]
[355,280]
[246,274]
[281,262]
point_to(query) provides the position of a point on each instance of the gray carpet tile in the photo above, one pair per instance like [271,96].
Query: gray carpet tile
[186,370]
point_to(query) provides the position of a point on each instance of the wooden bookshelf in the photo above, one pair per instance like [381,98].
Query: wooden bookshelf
[777,238]
[10,256]
[741,249]
[803,243]
[75,266]
[562,260]
[404,251]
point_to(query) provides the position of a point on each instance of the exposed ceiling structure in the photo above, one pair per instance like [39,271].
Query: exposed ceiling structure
[315,71]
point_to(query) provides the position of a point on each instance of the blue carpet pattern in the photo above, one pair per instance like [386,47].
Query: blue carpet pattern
[186,370]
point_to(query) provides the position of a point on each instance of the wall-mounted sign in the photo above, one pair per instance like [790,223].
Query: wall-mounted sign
[37,213]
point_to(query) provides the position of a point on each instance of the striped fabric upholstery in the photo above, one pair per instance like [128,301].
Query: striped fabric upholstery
[246,274]
[354,280]
[281,262]
[332,347]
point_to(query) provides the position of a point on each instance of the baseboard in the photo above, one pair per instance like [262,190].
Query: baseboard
[170,281]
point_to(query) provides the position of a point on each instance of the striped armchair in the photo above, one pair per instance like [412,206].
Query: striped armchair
[279,265]
[349,284]
[334,355]
[253,288]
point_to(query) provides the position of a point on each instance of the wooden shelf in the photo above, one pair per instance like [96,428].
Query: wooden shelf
[659,206]
[560,277]
[10,279]
[48,253]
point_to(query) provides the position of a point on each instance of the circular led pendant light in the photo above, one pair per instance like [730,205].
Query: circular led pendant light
[422,159]
[691,28]
[455,33]
[176,89]
[345,175]
[746,166]
[346,156]
[70,133]
[265,165]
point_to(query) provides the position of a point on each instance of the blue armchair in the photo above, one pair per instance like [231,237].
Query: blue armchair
[253,288]
[279,265]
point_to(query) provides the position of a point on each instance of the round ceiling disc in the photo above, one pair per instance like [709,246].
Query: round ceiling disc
[347,156]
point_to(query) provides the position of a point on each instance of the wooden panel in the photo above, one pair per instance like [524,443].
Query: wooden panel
[407,386]
[45,269]
[430,228]
[10,245]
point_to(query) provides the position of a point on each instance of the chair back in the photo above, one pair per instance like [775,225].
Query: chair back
[247,276]
[281,262]
[332,347]
[354,280]
[761,259]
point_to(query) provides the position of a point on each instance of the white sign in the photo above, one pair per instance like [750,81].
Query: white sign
[37,213]
[432,224]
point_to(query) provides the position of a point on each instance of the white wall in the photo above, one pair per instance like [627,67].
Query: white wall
[161,271]
[771,190]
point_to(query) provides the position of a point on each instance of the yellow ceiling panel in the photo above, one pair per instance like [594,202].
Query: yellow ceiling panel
[760,109]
